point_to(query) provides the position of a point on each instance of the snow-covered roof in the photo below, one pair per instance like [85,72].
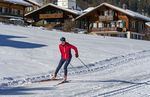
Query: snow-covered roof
[125,11]
[138,15]
[21,2]
[76,12]
[33,2]
[148,24]
[88,9]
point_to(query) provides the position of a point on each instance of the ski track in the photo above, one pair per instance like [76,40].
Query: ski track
[95,67]
[122,89]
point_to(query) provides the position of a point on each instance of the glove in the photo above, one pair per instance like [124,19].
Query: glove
[76,55]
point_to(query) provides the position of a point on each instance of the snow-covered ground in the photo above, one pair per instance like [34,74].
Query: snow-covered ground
[117,67]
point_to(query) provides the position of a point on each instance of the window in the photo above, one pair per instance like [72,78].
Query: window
[15,12]
[0,9]
[6,10]
[101,13]
[110,13]
[12,11]
[113,24]
[29,8]
[121,24]
[142,26]
[108,25]
[3,10]
[18,12]
[100,25]
[48,12]
[133,24]
[106,13]
[94,25]
[118,24]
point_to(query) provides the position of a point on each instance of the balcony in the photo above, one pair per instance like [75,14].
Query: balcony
[105,18]
[52,16]
[103,29]
[10,14]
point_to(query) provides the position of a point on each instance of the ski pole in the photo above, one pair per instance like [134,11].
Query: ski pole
[71,65]
[75,69]
[83,63]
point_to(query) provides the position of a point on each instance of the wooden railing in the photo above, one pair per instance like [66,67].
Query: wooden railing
[10,14]
[103,29]
[105,18]
[55,15]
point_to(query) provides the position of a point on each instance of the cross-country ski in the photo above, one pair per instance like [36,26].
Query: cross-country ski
[62,82]
[47,80]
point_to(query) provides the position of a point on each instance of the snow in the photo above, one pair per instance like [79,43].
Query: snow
[148,24]
[58,7]
[125,11]
[138,15]
[34,2]
[22,2]
[88,9]
[129,12]
[117,67]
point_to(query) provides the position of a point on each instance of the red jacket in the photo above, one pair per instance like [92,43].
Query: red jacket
[66,50]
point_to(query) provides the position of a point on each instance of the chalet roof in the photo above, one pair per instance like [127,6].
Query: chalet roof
[125,11]
[138,15]
[148,24]
[57,7]
[88,9]
[33,2]
[20,2]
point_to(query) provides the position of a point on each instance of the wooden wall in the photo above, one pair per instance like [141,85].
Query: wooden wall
[13,6]
[50,16]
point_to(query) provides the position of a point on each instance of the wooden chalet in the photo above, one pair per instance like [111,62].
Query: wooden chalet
[51,16]
[12,10]
[147,31]
[110,20]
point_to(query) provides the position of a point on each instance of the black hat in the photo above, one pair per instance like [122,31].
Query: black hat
[62,39]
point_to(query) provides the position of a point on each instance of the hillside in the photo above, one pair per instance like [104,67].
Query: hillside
[117,67]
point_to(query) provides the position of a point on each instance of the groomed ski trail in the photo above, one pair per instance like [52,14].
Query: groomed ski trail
[81,70]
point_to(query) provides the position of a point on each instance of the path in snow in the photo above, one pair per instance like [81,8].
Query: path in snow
[80,70]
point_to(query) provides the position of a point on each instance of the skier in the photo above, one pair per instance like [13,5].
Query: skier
[65,50]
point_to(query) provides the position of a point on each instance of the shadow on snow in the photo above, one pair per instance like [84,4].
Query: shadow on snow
[131,86]
[23,90]
[5,40]
[114,81]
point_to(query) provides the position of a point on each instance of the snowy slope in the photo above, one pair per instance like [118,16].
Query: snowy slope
[117,67]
